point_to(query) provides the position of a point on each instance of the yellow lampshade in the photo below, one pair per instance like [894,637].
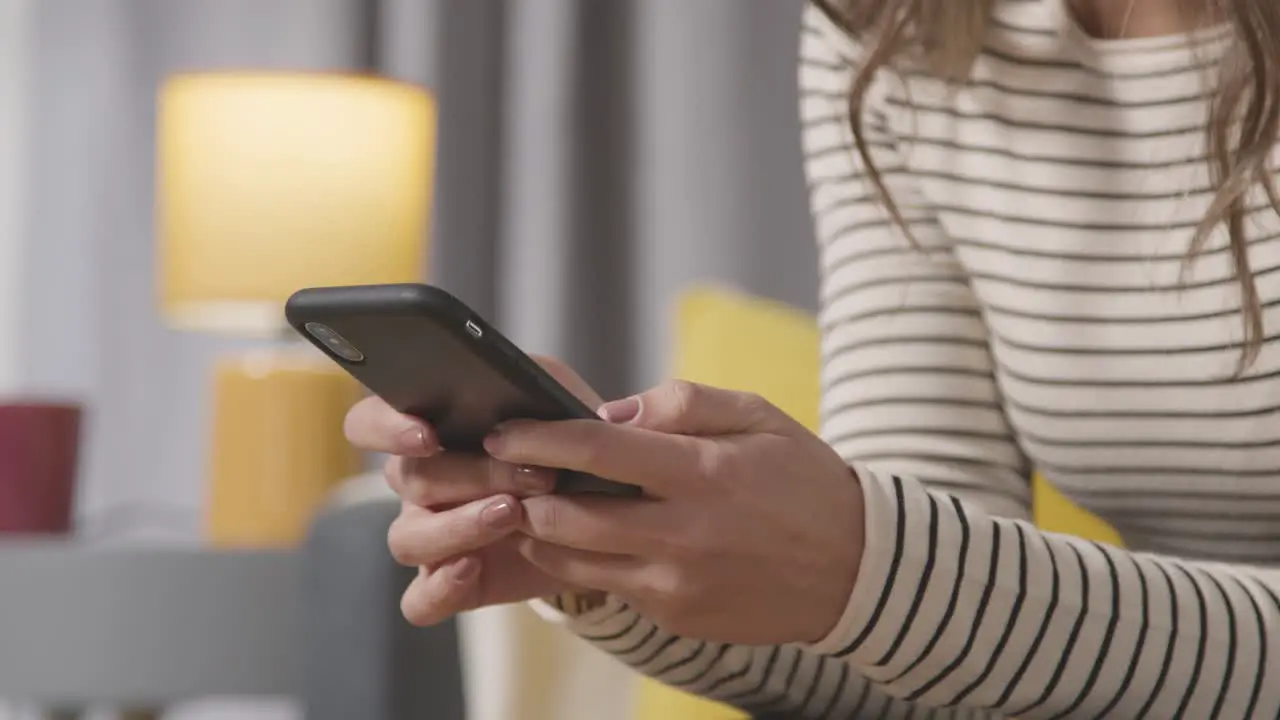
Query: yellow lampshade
[270,182]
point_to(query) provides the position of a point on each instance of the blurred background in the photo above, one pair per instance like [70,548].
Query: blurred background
[594,160]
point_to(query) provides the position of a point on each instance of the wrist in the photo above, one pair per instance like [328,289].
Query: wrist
[858,538]
[849,565]
[897,516]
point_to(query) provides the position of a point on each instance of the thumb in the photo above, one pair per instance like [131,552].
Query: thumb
[679,407]
[571,380]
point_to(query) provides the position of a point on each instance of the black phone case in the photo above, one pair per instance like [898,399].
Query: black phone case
[428,355]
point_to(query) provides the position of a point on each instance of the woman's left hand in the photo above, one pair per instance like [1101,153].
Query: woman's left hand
[751,531]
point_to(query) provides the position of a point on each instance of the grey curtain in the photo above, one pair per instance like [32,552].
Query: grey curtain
[596,158]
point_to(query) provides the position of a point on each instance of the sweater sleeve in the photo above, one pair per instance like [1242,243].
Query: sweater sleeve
[981,616]
[1036,625]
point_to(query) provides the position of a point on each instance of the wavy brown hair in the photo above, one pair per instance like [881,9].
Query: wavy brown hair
[944,37]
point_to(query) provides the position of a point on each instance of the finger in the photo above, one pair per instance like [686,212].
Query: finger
[598,524]
[571,380]
[453,478]
[654,461]
[618,574]
[373,425]
[686,408]
[427,538]
[434,597]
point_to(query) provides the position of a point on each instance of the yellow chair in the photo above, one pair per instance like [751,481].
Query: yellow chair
[735,341]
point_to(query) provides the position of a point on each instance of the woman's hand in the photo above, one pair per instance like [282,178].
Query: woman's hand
[752,531]
[460,514]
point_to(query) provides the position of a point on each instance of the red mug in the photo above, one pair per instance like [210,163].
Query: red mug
[39,450]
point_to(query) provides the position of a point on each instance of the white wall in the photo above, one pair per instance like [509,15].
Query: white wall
[14,38]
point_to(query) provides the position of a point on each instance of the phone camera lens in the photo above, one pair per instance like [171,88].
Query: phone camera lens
[337,344]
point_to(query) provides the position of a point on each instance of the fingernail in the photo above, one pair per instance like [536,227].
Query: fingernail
[466,570]
[417,439]
[535,480]
[493,443]
[621,411]
[500,514]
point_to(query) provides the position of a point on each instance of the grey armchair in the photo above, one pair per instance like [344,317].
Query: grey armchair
[361,659]
[146,627]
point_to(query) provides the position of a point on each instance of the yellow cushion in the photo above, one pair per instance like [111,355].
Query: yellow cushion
[1055,513]
[739,342]
[735,341]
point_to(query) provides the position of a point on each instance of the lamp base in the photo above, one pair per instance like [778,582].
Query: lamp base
[278,448]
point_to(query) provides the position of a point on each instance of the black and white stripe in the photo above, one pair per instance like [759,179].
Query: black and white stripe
[1045,320]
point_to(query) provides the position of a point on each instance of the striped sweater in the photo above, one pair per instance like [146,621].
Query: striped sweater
[1046,322]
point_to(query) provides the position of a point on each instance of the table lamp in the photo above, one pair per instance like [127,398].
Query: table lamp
[268,183]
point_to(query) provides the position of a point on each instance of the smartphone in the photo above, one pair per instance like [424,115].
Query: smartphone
[429,355]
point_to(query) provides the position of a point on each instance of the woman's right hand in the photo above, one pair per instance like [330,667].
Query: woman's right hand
[460,514]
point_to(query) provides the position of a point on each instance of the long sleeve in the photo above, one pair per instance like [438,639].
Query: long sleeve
[962,608]
[958,608]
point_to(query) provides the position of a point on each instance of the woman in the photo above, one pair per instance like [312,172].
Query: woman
[1049,242]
